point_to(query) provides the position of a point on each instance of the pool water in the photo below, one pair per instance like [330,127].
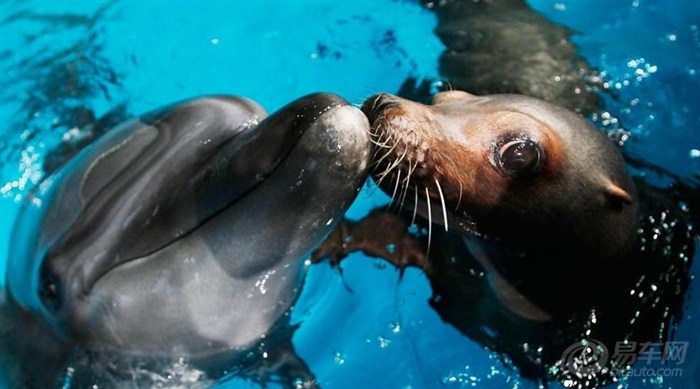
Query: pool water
[364,327]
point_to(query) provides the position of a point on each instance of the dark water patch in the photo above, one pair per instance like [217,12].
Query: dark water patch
[57,90]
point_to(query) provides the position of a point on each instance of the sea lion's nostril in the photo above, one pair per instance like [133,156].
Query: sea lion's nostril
[374,106]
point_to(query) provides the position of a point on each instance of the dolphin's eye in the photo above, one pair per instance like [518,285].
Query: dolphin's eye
[49,290]
[519,157]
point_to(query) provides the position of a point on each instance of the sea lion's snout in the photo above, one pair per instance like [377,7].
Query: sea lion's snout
[377,105]
[400,132]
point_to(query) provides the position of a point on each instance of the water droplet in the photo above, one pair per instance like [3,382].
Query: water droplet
[383,342]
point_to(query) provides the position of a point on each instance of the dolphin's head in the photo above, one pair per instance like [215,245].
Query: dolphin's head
[185,231]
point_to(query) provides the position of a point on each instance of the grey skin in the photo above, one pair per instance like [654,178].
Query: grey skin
[184,232]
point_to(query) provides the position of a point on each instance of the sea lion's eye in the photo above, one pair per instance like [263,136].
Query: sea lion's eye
[519,158]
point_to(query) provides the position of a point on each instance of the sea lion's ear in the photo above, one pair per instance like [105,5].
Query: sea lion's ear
[450,95]
[616,196]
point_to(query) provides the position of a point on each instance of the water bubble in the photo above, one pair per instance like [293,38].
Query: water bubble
[383,342]
[338,358]
[300,383]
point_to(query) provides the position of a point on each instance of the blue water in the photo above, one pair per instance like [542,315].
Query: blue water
[364,327]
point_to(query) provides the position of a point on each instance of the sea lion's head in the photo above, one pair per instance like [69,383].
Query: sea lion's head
[521,171]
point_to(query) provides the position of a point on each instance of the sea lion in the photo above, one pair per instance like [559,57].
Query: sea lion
[183,232]
[535,236]
[515,166]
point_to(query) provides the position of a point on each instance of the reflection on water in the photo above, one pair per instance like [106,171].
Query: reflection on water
[53,80]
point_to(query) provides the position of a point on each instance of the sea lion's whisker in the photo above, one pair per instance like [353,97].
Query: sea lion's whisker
[407,180]
[381,178]
[376,100]
[399,160]
[381,141]
[415,206]
[375,165]
[388,153]
[396,187]
[392,167]
[460,196]
[377,130]
[442,200]
[412,167]
[382,145]
[404,192]
[383,175]
[430,220]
